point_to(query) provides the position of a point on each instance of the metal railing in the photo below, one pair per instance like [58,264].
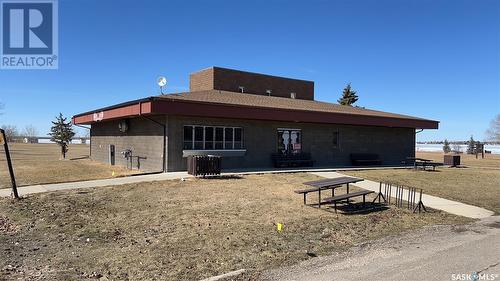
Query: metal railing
[401,196]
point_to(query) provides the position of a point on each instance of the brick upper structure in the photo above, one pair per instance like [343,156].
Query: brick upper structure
[217,78]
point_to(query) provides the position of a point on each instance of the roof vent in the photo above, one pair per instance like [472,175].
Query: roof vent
[241,89]
[292,95]
[268,92]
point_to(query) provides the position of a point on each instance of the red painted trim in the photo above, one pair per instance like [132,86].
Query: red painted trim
[114,113]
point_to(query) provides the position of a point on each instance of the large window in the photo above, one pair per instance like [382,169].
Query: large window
[212,137]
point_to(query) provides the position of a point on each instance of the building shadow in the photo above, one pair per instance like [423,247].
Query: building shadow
[221,177]
[80,158]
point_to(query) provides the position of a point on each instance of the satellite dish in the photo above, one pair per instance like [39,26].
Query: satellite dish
[162,81]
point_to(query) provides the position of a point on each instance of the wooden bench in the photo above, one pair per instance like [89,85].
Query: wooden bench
[316,189]
[336,199]
[292,160]
[365,159]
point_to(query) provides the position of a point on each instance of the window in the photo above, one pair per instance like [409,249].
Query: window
[209,137]
[219,138]
[336,139]
[198,137]
[228,138]
[238,138]
[212,138]
[188,137]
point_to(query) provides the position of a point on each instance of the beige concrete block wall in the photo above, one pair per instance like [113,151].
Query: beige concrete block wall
[260,137]
[144,138]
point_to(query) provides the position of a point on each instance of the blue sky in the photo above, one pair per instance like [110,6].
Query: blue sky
[429,58]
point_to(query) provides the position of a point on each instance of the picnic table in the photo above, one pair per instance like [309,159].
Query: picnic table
[318,186]
[422,162]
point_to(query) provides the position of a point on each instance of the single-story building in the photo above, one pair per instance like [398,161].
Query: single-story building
[245,117]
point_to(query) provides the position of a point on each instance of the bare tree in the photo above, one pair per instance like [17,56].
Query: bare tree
[456,148]
[493,133]
[11,132]
[30,132]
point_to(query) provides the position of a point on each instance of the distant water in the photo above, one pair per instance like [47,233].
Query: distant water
[495,149]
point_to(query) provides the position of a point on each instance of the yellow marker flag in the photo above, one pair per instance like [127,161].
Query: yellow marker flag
[279,226]
[113,174]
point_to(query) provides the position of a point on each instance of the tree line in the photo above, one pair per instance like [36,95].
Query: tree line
[12,133]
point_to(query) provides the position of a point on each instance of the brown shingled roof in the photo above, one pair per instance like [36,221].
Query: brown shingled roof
[251,100]
[223,104]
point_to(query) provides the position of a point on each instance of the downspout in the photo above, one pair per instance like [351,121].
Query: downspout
[164,136]
[416,132]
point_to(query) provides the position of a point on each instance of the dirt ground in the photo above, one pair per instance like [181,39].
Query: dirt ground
[476,183]
[182,230]
[39,163]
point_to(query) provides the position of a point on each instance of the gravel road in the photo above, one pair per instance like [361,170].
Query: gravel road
[433,253]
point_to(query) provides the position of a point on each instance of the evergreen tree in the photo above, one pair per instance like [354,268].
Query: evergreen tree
[446,146]
[470,145]
[349,96]
[62,133]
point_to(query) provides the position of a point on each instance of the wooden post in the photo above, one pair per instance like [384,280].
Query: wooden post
[390,193]
[409,199]
[3,140]
[319,198]
[379,191]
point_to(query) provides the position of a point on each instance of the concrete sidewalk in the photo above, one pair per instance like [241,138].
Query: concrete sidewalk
[448,206]
[32,189]
[25,190]
[434,202]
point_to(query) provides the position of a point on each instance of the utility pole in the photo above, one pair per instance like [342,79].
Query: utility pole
[3,140]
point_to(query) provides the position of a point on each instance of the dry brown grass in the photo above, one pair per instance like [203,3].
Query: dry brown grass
[39,163]
[478,183]
[185,230]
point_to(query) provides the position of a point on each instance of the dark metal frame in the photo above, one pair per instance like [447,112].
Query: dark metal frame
[400,196]
[9,164]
